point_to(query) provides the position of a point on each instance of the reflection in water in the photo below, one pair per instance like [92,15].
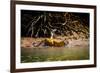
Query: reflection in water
[39,54]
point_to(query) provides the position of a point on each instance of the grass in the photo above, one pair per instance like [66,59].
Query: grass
[41,54]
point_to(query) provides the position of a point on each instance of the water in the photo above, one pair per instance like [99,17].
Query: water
[40,54]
